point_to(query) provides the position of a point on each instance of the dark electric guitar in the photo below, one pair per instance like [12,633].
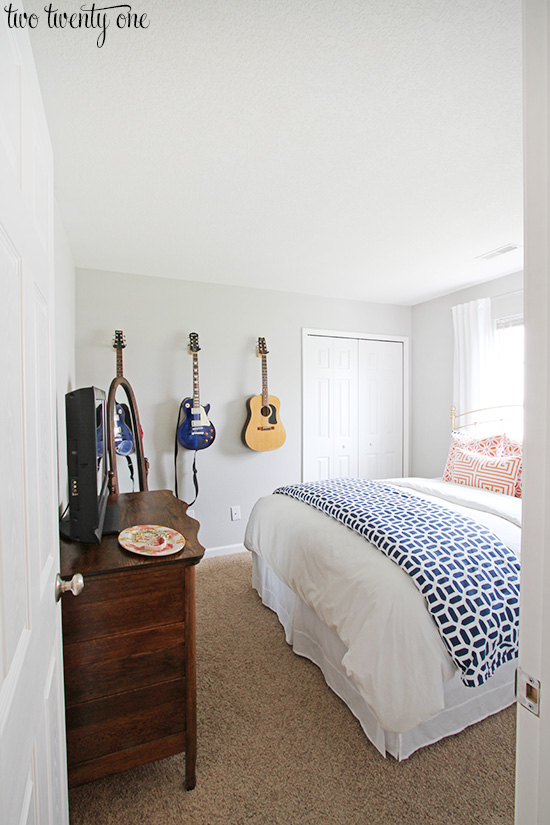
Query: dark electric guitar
[263,429]
[124,438]
[196,431]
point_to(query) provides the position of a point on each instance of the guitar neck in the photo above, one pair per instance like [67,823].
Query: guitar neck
[196,394]
[119,372]
[265,394]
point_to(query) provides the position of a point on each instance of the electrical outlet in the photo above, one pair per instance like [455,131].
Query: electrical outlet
[235,513]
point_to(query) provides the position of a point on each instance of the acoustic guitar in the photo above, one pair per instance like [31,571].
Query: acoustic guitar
[124,438]
[196,431]
[263,429]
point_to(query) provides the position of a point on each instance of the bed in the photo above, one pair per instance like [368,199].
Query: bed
[374,632]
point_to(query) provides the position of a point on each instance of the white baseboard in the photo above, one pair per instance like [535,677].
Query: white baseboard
[226,550]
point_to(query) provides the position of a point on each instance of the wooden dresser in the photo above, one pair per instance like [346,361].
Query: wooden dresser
[129,646]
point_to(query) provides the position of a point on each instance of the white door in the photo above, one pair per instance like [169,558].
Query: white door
[330,408]
[353,406]
[33,775]
[380,371]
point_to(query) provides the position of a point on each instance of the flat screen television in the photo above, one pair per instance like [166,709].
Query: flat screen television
[87,466]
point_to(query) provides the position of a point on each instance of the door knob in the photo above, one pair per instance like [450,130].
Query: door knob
[75,585]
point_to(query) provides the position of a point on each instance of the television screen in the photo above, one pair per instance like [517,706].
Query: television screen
[100,442]
[87,464]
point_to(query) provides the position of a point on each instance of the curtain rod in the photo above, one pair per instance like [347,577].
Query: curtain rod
[492,297]
[507,294]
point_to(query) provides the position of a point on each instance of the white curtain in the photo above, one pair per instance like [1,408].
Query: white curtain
[473,372]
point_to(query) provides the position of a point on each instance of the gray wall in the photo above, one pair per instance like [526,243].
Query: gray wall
[432,354]
[156,315]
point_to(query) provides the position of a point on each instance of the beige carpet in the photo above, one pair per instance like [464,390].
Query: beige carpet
[276,746]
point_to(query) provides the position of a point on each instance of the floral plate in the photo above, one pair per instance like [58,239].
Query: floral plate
[151,540]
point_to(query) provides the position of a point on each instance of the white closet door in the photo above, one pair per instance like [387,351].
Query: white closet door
[380,368]
[353,407]
[330,414]
[33,776]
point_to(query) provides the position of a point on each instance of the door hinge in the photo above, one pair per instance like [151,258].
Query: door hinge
[528,691]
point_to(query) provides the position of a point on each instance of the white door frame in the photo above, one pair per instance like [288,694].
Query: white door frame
[533,732]
[364,336]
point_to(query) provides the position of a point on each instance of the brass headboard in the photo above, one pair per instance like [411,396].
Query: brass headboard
[484,414]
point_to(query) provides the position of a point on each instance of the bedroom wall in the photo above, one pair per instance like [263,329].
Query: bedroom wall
[64,343]
[432,354]
[156,316]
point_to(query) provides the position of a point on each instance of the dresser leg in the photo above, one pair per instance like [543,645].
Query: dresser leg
[190,681]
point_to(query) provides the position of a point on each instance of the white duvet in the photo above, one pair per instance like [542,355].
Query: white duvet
[395,656]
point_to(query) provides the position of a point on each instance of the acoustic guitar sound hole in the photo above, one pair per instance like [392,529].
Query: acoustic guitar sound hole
[266,411]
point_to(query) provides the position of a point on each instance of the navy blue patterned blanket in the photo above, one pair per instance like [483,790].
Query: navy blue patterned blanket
[469,578]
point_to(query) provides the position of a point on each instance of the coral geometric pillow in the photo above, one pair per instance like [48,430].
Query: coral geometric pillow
[496,474]
[512,447]
[490,445]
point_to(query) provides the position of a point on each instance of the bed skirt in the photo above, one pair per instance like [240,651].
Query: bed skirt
[311,638]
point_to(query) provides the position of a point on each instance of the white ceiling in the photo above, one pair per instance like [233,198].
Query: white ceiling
[369,149]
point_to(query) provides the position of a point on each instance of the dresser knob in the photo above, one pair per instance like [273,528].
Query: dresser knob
[75,585]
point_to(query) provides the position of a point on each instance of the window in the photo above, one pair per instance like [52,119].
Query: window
[488,364]
[509,370]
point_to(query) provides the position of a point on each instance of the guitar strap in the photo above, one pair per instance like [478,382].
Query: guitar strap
[131,469]
[195,477]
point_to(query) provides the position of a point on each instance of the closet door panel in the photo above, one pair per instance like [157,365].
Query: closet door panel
[330,408]
[380,368]
[344,402]
[318,424]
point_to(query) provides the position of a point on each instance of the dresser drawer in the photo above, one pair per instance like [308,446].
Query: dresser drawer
[126,602]
[122,722]
[115,664]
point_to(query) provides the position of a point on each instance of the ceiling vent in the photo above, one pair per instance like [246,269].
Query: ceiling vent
[502,250]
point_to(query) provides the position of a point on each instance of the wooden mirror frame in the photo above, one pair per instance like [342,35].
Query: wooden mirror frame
[142,463]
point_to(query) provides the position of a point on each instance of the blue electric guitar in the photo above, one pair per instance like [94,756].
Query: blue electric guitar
[124,437]
[196,431]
